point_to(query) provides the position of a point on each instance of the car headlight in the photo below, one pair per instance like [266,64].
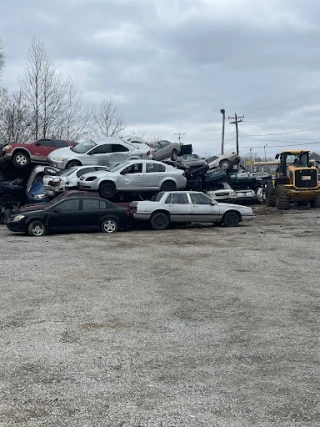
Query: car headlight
[7,147]
[91,178]
[58,159]
[17,218]
[40,196]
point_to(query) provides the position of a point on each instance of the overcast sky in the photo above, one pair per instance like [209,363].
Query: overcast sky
[171,65]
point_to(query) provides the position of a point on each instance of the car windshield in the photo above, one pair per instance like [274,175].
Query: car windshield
[66,172]
[159,196]
[119,166]
[211,159]
[83,147]
[54,201]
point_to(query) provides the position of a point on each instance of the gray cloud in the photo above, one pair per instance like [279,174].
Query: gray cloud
[171,65]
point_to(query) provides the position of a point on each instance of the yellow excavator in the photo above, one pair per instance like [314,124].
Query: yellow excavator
[296,180]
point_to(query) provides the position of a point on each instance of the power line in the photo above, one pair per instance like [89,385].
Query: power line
[301,95]
[287,145]
[282,133]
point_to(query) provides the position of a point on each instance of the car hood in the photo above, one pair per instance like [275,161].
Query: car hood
[61,152]
[234,206]
[33,208]
[99,174]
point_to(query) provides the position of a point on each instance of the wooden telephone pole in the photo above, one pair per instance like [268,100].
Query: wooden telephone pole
[235,122]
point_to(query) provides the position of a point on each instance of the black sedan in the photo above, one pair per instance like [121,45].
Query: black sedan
[71,214]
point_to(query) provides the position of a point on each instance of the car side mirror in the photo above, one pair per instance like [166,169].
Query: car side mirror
[124,172]
[37,144]
[277,156]
[56,210]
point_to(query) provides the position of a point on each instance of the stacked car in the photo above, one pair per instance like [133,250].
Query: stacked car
[118,170]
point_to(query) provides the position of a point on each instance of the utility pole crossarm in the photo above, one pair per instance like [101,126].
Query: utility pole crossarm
[179,136]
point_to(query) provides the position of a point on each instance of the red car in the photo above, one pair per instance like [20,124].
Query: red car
[23,154]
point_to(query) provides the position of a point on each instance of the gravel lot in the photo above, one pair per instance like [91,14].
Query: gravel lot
[185,327]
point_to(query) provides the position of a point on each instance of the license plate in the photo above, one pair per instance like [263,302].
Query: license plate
[306,178]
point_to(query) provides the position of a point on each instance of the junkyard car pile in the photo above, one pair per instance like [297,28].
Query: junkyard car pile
[113,183]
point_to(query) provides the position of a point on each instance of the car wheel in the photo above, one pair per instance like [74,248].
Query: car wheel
[174,155]
[231,219]
[37,228]
[109,225]
[160,221]
[168,186]
[225,164]
[73,163]
[107,190]
[20,159]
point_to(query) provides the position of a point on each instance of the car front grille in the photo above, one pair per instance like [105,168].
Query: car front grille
[306,178]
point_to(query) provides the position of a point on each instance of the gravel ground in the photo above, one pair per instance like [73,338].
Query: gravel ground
[186,327]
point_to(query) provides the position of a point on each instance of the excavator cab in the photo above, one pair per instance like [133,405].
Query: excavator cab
[296,181]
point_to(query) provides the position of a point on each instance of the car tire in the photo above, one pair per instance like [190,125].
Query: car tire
[174,155]
[107,190]
[20,159]
[36,228]
[231,219]
[168,186]
[225,164]
[109,225]
[160,221]
[73,163]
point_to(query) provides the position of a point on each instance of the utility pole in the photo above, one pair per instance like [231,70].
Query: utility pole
[251,165]
[179,137]
[223,112]
[235,122]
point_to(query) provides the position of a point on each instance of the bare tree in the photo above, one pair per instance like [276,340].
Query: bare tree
[1,58]
[43,89]
[107,119]
[75,117]
[14,117]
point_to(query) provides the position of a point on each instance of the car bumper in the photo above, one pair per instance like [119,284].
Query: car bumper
[87,186]
[246,218]
[16,227]
[59,165]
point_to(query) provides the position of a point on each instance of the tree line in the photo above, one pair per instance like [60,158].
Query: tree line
[50,105]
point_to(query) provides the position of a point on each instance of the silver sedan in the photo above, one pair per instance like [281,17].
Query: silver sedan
[134,175]
[162,150]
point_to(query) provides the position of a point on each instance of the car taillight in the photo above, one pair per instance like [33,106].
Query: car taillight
[128,211]
[183,174]
[148,153]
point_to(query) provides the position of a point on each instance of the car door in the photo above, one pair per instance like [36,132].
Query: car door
[119,153]
[89,213]
[98,155]
[155,172]
[65,216]
[132,177]
[42,149]
[203,208]
[179,207]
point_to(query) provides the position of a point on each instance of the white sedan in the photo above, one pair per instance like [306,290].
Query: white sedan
[188,207]
[134,176]
[66,179]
